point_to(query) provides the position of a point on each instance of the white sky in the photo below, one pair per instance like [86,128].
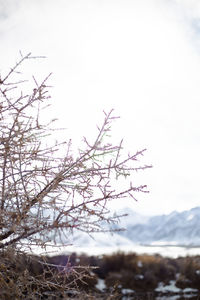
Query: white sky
[140,57]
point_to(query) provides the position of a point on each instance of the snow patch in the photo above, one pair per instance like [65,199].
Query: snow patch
[190,217]
[101,285]
[168,288]
[190,290]
[127,291]
[139,264]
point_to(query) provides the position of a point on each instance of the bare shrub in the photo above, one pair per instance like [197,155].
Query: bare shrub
[47,192]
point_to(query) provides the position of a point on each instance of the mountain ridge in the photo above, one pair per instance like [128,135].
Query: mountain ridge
[175,229]
[178,228]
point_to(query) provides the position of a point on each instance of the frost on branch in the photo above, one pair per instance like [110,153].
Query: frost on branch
[45,194]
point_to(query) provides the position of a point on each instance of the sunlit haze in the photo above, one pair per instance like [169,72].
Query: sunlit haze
[140,58]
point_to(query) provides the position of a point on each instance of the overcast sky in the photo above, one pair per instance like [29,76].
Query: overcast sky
[140,57]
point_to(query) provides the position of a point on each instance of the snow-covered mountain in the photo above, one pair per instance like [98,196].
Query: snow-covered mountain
[177,228]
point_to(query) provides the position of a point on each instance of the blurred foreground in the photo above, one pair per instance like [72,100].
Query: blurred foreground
[118,276]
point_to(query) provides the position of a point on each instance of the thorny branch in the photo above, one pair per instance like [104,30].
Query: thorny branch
[42,193]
